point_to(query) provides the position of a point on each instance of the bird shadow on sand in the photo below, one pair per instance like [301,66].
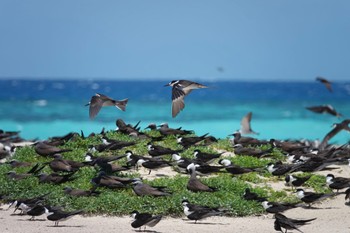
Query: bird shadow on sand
[150,231]
[203,223]
[68,226]
[318,208]
[32,220]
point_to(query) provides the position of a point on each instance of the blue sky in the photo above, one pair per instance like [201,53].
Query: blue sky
[189,39]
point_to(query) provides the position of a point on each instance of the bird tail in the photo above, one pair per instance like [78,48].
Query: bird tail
[121,104]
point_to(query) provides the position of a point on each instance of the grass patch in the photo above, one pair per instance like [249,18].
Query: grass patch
[123,201]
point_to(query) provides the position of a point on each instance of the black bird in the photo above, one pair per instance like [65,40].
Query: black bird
[127,129]
[15,163]
[325,82]
[144,219]
[344,125]
[180,89]
[245,124]
[194,184]
[197,212]
[279,169]
[190,141]
[104,180]
[93,160]
[98,101]
[311,197]
[182,163]
[133,158]
[27,201]
[239,149]
[347,195]
[235,169]
[37,210]
[165,130]
[45,149]
[239,139]
[152,127]
[142,189]
[205,157]
[337,183]
[54,178]
[324,109]
[80,192]
[288,146]
[295,181]
[205,169]
[58,215]
[282,221]
[58,164]
[113,144]
[156,150]
[153,164]
[275,207]
[19,176]
[251,196]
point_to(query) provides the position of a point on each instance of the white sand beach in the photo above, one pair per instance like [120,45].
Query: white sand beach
[332,216]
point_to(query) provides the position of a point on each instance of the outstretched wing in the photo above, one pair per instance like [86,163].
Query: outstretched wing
[95,106]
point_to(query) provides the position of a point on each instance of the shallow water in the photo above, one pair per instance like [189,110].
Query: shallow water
[40,109]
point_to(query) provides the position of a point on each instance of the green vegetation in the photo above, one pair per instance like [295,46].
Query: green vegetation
[123,201]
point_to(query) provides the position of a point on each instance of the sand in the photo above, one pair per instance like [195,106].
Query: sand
[332,216]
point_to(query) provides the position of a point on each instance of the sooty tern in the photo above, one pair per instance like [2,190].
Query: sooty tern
[245,124]
[281,221]
[325,82]
[197,212]
[98,101]
[144,219]
[180,89]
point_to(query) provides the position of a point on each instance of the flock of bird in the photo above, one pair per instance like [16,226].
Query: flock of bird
[301,156]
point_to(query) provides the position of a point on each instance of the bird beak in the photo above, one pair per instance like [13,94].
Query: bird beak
[166,85]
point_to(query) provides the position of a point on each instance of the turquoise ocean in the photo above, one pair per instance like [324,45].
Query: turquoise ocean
[44,108]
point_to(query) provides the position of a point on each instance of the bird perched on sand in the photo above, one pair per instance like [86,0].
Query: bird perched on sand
[337,183]
[144,219]
[311,197]
[181,88]
[198,212]
[60,215]
[98,101]
[325,82]
[245,124]
[295,181]
[289,223]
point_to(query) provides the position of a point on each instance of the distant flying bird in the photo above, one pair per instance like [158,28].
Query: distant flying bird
[98,101]
[344,125]
[325,82]
[181,88]
[245,124]
[324,109]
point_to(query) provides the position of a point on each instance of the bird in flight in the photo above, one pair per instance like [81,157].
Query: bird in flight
[98,101]
[245,124]
[325,82]
[181,88]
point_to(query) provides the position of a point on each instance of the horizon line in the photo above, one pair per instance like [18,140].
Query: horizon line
[76,78]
